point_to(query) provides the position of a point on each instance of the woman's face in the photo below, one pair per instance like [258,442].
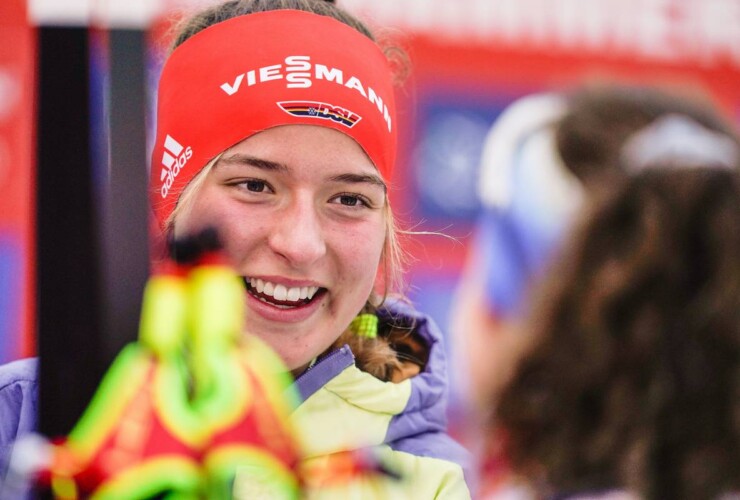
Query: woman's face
[300,210]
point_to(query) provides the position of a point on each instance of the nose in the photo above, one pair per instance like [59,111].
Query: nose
[298,234]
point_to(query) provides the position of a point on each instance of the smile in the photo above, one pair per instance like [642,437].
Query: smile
[280,295]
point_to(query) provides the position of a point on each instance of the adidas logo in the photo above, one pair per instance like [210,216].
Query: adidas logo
[174,158]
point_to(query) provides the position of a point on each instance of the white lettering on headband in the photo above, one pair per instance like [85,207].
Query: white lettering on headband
[299,73]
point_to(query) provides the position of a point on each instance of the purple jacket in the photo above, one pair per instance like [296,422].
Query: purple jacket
[18,405]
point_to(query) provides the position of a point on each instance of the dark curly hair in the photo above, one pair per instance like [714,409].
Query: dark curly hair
[633,380]
[600,118]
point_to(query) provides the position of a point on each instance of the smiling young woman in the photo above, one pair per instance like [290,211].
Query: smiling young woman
[288,151]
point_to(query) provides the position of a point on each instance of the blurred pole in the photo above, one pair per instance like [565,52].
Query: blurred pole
[124,228]
[92,244]
[69,307]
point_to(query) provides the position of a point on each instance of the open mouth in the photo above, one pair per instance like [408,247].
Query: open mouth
[281,296]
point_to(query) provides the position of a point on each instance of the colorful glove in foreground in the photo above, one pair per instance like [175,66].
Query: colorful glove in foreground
[187,405]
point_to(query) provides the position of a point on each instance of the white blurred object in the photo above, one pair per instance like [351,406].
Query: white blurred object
[56,13]
[680,141]
[519,120]
[520,164]
[31,454]
[132,14]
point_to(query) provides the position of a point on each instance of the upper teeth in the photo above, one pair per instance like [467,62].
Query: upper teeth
[281,292]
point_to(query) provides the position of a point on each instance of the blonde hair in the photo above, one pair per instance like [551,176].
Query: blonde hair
[187,197]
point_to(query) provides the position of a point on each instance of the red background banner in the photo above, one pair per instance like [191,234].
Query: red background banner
[17,69]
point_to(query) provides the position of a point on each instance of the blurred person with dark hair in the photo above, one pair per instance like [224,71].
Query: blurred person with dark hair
[545,158]
[630,385]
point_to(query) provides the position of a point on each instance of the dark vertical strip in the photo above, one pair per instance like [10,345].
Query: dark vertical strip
[125,206]
[69,332]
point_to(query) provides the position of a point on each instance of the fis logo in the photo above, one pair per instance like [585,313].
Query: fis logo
[320,110]
[173,160]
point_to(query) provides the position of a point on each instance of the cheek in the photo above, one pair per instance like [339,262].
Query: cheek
[244,235]
[361,253]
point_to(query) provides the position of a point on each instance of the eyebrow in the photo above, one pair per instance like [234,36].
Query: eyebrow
[361,178]
[253,161]
[260,163]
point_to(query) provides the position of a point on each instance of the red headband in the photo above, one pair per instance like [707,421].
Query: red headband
[257,71]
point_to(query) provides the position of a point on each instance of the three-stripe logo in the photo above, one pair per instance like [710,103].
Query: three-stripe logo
[174,158]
